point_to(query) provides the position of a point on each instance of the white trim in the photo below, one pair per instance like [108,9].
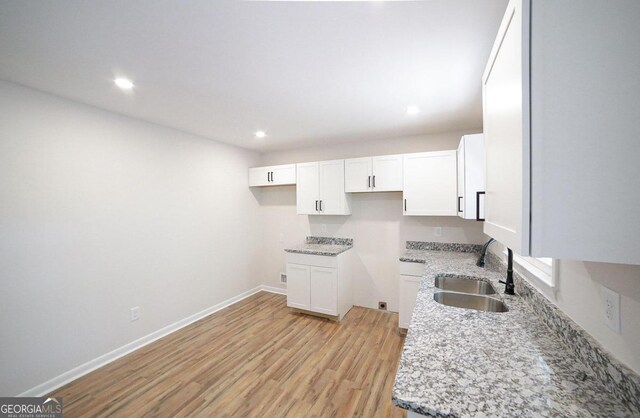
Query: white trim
[79,371]
[273,289]
[534,274]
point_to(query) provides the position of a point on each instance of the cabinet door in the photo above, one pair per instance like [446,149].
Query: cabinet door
[258,176]
[430,184]
[333,200]
[461,196]
[387,173]
[283,174]
[307,189]
[409,286]
[505,90]
[324,290]
[474,175]
[357,175]
[298,286]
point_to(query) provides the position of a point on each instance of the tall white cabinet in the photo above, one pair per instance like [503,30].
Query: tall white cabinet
[320,189]
[561,130]
[430,180]
[471,173]
[373,174]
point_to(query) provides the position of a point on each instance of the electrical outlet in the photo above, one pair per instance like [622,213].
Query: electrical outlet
[438,231]
[283,277]
[610,308]
[324,228]
[382,305]
[135,313]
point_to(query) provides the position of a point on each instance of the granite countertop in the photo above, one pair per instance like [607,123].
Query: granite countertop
[465,363]
[322,246]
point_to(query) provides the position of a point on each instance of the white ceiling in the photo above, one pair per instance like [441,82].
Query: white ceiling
[306,73]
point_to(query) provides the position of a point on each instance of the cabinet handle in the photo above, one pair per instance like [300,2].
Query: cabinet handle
[459,199]
[272,176]
[268,176]
[369,182]
[321,206]
[478,206]
[374,182]
[405,205]
[316,205]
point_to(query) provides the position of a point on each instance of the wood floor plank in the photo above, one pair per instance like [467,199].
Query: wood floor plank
[255,358]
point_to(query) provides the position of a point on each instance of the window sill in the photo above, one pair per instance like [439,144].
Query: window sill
[534,274]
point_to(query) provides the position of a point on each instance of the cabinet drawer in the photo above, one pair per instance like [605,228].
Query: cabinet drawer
[411,269]
[312,260]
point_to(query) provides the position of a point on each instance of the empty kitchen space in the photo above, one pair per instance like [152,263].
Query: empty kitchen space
[319,208]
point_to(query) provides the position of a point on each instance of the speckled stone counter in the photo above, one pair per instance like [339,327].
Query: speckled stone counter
[465,363]
[322,246]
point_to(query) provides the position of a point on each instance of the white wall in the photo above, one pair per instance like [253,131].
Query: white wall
[376,224]
[100,213]
[578,295]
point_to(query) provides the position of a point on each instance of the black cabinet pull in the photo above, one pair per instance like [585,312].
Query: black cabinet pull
[272,176]
[405,205]
[369,182]
[268,176]
[316,205]
[459,199]
[478,206]
[374,182]
[321,206]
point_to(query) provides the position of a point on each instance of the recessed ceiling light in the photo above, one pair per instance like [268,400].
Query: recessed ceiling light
[123,83]
[412,110]
[260,134]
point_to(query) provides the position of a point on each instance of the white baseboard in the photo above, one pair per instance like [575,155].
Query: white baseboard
[76,372]
[273,289]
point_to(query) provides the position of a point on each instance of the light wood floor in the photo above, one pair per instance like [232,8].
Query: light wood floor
[253,359]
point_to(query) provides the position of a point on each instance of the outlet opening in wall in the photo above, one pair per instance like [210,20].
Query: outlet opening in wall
[283,277]
[382,305]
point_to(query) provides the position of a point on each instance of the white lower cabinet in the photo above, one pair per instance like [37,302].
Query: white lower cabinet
[320,284]
[410,278]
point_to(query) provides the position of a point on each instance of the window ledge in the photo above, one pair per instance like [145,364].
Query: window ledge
[535,274]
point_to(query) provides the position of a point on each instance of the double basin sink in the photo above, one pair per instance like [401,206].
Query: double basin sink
[467,293]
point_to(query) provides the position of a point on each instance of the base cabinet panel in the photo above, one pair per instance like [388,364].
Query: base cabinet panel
[324,290]
[298,286]
[409,286]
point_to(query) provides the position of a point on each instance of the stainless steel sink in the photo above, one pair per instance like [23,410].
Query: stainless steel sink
[477,302]
[459,284]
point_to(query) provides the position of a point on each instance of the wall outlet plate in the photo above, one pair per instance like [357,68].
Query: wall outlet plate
[438,231]
[610,308]
[135,313]
[283,277]
[382,305]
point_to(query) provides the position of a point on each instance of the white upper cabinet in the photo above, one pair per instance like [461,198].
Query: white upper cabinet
[561,130]
[373,174]
[320,189]
[471,173]
[430,184]
[277,175]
